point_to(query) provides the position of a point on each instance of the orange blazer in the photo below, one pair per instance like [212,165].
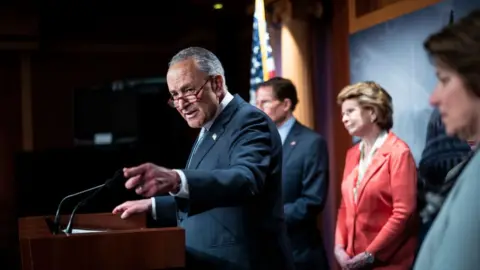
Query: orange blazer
[383,221]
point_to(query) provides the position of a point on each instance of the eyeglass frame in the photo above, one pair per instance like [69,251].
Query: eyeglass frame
[193,92]
[269,103]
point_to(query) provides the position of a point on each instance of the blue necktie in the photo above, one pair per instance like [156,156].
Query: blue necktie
[199,141]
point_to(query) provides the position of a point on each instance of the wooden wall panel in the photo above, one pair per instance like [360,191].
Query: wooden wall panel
[296,57]
[37,76]
[18,21]
[331,74]
[367,13]
[363,7]
[10,143]
[55,75]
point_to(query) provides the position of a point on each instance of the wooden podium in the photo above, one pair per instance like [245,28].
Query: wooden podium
[112,243]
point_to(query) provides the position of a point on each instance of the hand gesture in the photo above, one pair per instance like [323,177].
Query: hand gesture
[359,261]
[149,180]
[133,207]
[342,257]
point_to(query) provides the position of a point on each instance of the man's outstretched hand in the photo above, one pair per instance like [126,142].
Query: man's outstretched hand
[129,208]
[149,180]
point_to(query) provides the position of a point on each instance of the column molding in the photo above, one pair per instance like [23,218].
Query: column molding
[296,65]
[331,74]
[26,101]
[296,19]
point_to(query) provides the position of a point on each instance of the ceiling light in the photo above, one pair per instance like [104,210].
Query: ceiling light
[218,6]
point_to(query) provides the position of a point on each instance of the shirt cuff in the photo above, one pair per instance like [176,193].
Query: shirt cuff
[183,192]
[154,210]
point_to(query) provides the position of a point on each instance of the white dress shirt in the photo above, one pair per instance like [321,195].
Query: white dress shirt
[183,192]
[366,159]
[285,128]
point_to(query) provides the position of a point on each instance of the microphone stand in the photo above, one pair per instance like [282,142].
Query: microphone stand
[109,182]
[68,229]
[56,222]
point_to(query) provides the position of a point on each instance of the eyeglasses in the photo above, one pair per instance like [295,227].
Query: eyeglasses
[266,104]
[189,96]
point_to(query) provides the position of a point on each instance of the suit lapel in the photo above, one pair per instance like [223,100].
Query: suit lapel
[203,148]
[291,141]
[378,160]
[216,131]
[351,178]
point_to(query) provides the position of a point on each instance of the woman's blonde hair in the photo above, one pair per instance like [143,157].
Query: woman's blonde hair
[370,95]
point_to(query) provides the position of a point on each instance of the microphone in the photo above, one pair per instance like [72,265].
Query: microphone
[56,222]
[118,174]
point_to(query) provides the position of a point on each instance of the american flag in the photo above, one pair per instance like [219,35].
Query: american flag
[262,64]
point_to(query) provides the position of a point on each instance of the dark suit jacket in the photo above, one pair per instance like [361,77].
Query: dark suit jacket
[305,185]
[233,218]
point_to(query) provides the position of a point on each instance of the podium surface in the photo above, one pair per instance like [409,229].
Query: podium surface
[113,244]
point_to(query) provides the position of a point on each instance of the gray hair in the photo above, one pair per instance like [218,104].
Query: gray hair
[206,61]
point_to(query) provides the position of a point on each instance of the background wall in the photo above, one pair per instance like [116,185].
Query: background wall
[47,49]
[392,54]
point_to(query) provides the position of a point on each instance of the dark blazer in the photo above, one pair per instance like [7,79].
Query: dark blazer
[305,185]
[233,218]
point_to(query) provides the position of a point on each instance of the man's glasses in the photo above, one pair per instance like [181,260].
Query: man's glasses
[189,96]
[266,104]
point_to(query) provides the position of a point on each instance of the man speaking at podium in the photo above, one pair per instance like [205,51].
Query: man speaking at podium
[228,198]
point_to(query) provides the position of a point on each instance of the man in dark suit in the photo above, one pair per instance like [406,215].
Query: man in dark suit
[228,199]
[441,154]
[305,172]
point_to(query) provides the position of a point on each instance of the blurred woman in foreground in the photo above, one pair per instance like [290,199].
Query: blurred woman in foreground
[453,241]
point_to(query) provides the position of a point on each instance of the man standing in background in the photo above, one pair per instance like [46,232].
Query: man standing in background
[305,173]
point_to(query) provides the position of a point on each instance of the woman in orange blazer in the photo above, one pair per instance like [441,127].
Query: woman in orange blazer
[376,224]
